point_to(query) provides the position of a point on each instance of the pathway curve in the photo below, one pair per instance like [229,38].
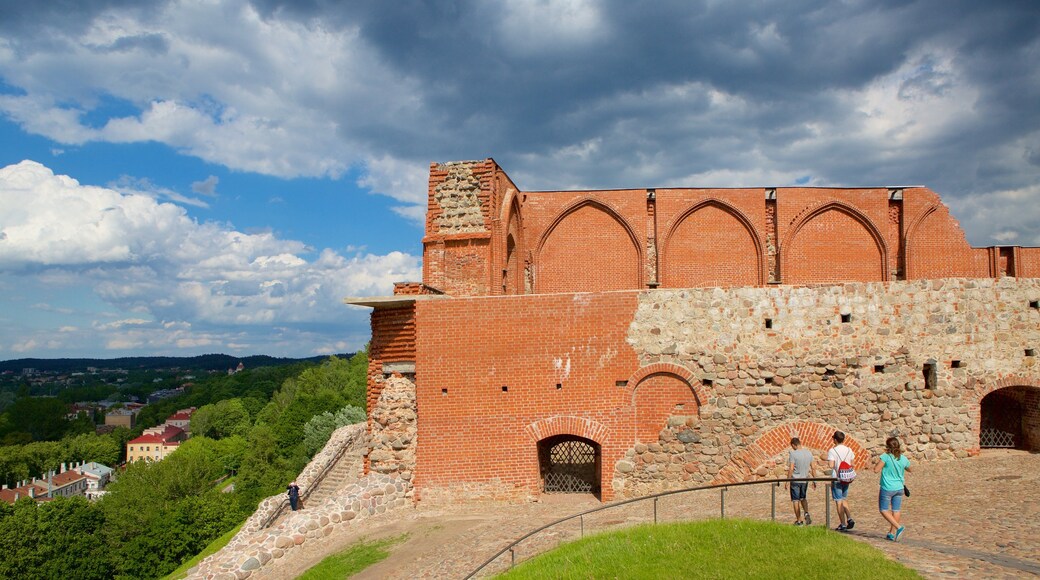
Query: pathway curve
[967,518]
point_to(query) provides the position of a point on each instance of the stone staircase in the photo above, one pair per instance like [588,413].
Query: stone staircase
[347,470]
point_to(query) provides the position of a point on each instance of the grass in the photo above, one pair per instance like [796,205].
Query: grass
[718,549]
[352,560]
[212,548]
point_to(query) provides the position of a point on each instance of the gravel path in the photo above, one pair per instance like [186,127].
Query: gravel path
[969,518]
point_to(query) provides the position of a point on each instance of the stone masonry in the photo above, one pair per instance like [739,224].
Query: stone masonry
[684,335]
[273,531]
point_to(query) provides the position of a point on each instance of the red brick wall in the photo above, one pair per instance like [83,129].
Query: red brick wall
[473,431]
[393,340]
[833,246]
[658,397]
[590,249]
[936,247]
[1028,262]
[617,239]
[711,247]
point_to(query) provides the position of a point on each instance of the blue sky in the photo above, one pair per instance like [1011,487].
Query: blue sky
[187,177]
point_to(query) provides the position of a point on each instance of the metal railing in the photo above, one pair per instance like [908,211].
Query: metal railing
[349,445]
[722,487]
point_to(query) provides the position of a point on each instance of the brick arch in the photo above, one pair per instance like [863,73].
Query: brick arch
[567,425]
[774,441]
[723,254]
[873,270]
[512,254]
[567,268]
[680,372]
[981,388]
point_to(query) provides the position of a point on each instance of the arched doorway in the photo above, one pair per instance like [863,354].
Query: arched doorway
[1010,418]
[569,464]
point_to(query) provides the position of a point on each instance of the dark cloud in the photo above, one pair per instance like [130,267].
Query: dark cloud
[628,94]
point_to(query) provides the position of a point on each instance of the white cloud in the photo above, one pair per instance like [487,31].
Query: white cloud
[400,179]
[189,285]
[213,80]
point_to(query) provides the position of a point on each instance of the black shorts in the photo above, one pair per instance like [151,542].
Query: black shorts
[798,489]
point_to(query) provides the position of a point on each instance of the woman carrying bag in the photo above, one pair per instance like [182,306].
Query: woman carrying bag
[893,466]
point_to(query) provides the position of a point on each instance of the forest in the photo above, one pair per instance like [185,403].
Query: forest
[252,433]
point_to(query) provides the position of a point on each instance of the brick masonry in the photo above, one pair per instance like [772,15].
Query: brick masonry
[689,333]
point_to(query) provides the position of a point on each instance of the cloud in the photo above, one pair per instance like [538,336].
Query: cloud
[207,186]
[563,93]
[187,285]
[128,185]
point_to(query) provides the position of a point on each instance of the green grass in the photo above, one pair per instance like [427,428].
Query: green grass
[352,560]
[718,549]
[212,548]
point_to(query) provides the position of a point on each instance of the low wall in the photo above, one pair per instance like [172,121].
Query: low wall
[271,531]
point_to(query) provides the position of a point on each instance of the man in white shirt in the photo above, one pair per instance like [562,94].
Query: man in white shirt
[837,455]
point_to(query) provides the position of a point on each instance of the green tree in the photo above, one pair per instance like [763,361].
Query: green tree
[221,419]
[41,417]
[319,428]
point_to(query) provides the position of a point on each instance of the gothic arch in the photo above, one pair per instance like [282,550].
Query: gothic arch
[735,213]
[852,212]
[512,265]
[638,258]
[911,236]
[774,441]
[567,425]
[678,371]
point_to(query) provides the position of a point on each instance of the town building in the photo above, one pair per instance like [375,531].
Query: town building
[98,476]
[155,444]
[628,341]
[64,482]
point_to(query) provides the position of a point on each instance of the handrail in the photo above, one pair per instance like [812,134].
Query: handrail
[644,498]
[348,445]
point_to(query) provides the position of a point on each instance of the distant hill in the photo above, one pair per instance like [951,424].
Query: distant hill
[205,362]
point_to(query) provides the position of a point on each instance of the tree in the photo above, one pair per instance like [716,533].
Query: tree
[319,428]
[41,417]
[221,419]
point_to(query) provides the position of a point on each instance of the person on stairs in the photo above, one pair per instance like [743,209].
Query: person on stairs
[294,496]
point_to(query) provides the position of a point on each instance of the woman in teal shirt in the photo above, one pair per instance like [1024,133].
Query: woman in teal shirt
[892,465]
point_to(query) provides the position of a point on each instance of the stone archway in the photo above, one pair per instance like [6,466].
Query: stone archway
[1009,417]
[744,465]
[569,464]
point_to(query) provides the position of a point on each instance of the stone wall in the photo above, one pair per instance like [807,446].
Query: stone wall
[393,429]
[850,357]
[273,530]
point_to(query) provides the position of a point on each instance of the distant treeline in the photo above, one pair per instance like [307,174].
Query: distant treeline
[205,362]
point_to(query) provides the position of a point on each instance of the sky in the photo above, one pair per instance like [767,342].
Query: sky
[189,177]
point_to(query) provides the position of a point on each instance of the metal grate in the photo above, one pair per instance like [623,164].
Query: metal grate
[996,438]
[572,468]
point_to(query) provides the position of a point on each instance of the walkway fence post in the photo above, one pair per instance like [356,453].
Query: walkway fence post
[655,511]
[722,503]
[827,502]
[582,520]
[772,507]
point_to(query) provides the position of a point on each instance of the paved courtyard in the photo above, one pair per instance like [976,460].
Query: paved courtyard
[970,518]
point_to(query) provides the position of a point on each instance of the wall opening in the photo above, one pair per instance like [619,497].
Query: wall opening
[1010,418]
[569,464]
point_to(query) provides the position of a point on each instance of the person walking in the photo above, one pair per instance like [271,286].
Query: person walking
[294,496]
[893,466]
[837,455]
[799,465]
